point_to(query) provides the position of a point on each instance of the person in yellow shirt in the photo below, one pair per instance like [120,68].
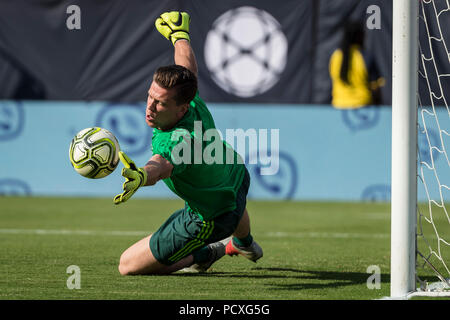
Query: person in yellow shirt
[351,85]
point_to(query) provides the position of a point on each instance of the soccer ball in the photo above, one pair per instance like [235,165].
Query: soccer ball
[94,152]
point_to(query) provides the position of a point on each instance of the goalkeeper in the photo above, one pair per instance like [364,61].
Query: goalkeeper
[214,194]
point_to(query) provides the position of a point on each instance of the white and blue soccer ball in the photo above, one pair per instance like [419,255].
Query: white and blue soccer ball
[94,152]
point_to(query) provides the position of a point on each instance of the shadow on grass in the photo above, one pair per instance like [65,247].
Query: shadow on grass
[313,279]
[296,279]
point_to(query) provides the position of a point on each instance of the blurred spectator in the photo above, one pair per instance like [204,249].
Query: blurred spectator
[351,71]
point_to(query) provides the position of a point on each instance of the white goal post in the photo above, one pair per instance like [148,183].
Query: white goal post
[404,176]
[404,146]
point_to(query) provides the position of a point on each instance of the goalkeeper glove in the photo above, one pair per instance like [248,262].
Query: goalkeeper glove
[174,25]
[134,178]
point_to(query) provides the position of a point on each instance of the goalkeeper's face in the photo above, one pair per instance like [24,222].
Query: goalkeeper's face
[162,111]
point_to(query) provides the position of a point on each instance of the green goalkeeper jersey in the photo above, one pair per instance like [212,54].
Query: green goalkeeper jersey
[207,172]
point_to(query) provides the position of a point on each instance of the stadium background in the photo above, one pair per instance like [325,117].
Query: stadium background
[56,81]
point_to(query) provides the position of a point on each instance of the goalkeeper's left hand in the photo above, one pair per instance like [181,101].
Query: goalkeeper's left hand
[134,178]
[174,25]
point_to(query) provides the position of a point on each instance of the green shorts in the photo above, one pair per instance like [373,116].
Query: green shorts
[185,232]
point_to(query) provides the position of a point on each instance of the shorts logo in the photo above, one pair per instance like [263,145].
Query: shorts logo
[248,63]
[11,119]
[125,121]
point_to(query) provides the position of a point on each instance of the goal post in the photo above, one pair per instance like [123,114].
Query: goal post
[420,232]
[404,147]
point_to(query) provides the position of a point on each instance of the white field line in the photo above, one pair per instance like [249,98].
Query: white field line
[73,232]
[327,235]
[331,235]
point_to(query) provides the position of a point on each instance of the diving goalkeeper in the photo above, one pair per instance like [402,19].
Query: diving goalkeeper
[214,193]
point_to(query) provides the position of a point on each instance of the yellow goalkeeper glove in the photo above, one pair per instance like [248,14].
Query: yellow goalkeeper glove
[134,178]
[174,25]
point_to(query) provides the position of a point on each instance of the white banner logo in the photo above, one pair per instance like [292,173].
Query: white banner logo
[246,51]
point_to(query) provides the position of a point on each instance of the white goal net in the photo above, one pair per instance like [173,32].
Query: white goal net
[433,224]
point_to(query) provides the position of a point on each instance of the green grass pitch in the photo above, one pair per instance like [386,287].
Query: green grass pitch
[312,251]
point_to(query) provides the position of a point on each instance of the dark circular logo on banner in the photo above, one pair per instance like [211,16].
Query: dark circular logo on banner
[377,193]
[362,118]
[246,63]
[284,183]
[14,187]
[12,117]
[127,123]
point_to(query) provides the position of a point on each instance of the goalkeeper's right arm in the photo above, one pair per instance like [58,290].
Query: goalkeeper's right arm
[157,168]
[174,26]
[184,56]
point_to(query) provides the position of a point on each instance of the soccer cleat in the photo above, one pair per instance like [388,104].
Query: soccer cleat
[253,252]
[217,251]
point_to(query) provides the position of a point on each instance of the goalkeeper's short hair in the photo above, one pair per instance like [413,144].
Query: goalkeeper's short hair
[179,78]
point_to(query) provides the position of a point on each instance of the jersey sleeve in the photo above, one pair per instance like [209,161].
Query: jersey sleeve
[175,147]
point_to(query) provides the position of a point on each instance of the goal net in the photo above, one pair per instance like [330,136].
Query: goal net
[433,137]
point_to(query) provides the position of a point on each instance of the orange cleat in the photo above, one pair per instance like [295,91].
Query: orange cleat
[253,252]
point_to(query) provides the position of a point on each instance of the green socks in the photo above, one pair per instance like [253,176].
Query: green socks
[201,255]
[243,242]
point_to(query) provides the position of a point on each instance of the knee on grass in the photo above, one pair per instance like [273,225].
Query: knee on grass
[127,267]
